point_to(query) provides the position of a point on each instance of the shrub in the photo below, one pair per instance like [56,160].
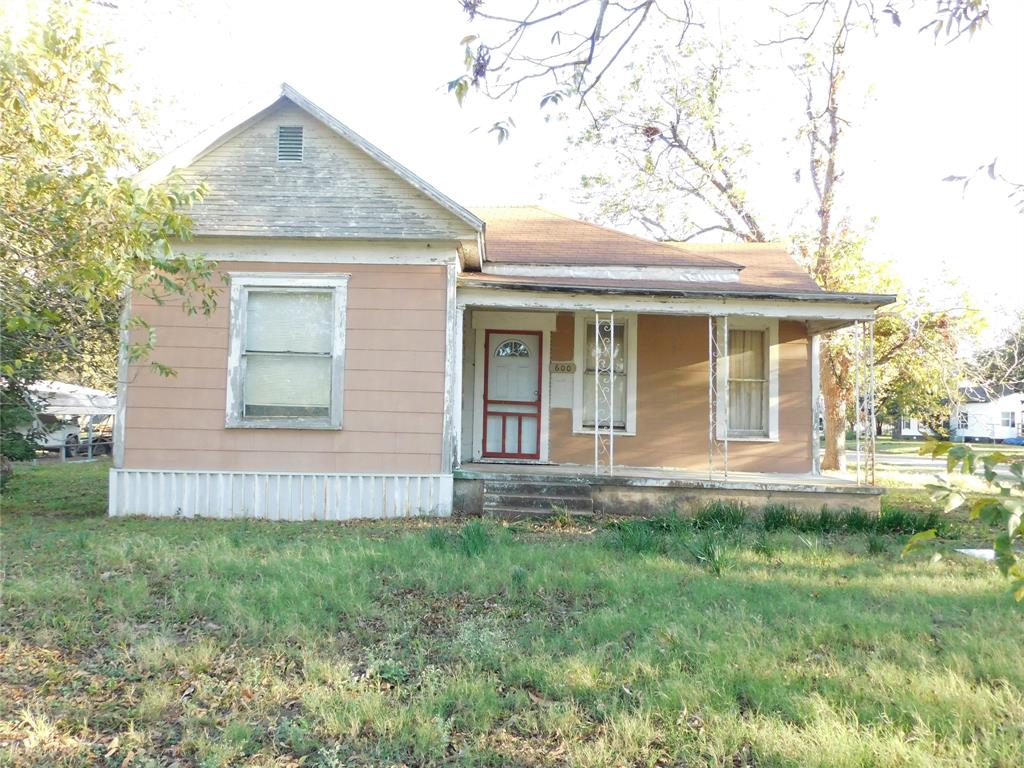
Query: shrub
[722,515]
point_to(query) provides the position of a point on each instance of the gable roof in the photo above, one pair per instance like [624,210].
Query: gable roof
[529,234]
[206,142]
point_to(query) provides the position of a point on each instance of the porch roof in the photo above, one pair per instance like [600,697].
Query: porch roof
[679,289]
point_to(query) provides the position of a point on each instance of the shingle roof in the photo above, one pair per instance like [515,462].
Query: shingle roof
[532,235]
[529,234]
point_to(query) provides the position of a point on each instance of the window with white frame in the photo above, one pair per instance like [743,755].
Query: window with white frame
[287,350]
[617,376]
[1008,419]
[748,370]
[906,425]
[963,420]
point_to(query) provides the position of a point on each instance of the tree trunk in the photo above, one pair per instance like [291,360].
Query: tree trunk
[834,395]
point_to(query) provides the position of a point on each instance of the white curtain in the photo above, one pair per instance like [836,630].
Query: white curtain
[748,382]
[288,346]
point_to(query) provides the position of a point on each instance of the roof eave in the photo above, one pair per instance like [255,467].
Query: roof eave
[868,299]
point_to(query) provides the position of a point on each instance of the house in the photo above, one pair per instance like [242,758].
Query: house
[910,428]
[380,350]
[984,415]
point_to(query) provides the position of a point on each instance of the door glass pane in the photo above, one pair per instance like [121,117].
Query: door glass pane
[529,435]
[289,321]
[511,435]
[493,434]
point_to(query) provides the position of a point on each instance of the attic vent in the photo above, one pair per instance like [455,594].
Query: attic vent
[289,142]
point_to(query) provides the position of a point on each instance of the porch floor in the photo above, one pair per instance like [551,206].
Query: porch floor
[654,477]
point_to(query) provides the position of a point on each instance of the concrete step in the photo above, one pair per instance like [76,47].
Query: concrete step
[524,513]
[571,503]
[531,488]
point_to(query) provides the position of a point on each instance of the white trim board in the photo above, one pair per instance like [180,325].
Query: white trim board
[294,496]
[123,368]
[678,274]
[579,357]
[275,250]
[452,374]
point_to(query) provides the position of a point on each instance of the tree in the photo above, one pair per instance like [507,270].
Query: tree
[75,233]
[569,47]
[1002,367]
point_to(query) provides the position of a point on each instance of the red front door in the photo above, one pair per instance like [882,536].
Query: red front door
[512,379]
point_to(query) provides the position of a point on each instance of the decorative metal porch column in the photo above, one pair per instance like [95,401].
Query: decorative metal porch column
[718,395]
[604,392]
[865,418]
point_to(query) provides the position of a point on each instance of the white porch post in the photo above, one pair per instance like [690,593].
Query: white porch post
[815,404]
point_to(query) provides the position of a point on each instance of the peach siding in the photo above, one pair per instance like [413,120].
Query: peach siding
[672,402]
[394,384]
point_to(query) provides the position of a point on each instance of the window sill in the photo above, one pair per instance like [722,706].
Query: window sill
[618,432]
[751,439]
[283,424]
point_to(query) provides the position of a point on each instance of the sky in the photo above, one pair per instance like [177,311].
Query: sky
[924,110]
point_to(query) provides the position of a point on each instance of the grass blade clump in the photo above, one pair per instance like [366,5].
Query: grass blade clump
[437,538]
[474,539]
[720,515]
[777,517]
[635,536]
[710,552]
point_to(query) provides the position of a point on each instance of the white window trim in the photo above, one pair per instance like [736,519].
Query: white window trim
[771,325]
[241,283]
[580,362]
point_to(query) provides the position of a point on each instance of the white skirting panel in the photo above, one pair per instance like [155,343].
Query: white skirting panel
[277,495]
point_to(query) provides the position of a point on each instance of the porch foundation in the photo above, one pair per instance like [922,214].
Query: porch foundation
[633,491]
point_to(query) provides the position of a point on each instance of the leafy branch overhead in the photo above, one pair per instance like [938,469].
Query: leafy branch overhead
[75,233]
[1001,507]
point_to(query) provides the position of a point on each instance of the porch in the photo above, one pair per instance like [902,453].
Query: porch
[517,490]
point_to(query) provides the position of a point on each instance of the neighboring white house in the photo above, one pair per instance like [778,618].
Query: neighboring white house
[910,428]
[988,416]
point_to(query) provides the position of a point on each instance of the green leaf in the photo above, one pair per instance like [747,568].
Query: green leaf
[917,540]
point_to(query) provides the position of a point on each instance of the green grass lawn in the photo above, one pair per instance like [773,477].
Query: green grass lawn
[913,447]
[671,643]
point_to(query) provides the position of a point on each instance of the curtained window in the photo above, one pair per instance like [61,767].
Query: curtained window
[287,350]
[748,383]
